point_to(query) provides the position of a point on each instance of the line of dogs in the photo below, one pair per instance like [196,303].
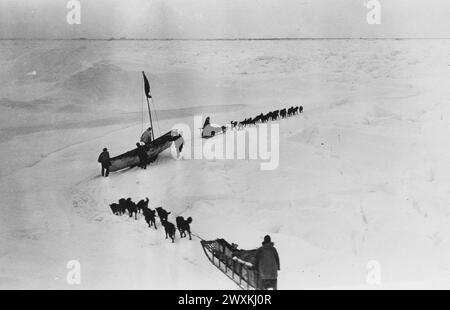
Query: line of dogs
[271,116]
[127,206]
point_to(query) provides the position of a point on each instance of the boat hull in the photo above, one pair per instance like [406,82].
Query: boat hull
[131,158]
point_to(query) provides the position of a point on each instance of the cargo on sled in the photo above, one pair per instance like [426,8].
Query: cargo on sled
[236,264]
[209,131]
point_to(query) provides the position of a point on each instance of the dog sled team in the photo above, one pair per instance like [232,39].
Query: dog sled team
[270,116]
[209,131]
[264,262]
[129,207]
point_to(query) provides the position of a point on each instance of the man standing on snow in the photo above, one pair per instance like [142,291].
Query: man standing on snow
[147,136]
[267,264]
[143,158]
[207,122]
[105,161]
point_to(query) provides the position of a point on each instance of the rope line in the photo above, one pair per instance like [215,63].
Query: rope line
[195,235]
[156,116]
[142,112]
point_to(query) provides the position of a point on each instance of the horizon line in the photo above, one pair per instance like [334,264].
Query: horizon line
[224,39]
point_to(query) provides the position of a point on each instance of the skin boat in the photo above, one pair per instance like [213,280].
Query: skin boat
[131,159]
[154,148]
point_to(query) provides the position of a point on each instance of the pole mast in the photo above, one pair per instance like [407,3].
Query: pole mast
[146,84]
[150,117]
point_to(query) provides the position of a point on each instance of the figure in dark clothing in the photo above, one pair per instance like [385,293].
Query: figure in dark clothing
[143,158]
[267,264]
[207,122]
[105,161]
[147,136]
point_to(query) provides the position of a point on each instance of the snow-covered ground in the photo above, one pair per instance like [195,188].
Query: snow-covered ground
[364,173]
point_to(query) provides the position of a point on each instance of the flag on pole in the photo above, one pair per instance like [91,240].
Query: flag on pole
[146,86]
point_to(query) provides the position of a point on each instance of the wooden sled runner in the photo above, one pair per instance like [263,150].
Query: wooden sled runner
[234,263]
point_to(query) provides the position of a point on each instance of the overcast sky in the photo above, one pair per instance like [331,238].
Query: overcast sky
[223,19]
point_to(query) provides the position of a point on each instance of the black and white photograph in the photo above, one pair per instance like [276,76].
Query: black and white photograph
[224,145]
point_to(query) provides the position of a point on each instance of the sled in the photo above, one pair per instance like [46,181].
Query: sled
[211,131]
[234,263]
[131,159]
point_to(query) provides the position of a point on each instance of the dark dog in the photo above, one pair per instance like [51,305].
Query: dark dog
[132,208]
[162,214]
[248,121]
[291,111]
[122,206]
[149,216]
[259,118]
[183,226]
[115,208]
[141,205]
[275,115]
[169,228]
